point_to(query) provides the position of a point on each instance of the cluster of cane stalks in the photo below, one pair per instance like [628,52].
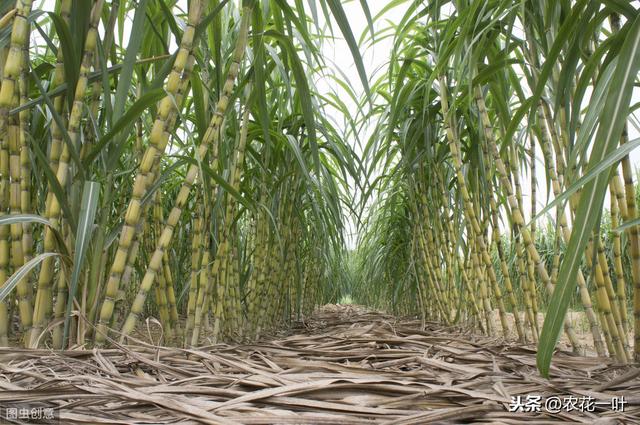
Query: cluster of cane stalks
[496,117]
[166,167]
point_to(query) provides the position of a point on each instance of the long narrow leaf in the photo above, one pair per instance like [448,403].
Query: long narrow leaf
[612,121]
[90,196]
[16,277]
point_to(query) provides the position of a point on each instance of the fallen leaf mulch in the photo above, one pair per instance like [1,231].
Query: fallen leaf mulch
[345,365]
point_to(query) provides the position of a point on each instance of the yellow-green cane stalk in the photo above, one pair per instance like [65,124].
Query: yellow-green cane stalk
[158,139]
[43,296]
[505,272]
[621,293]
[196,259]
[171,297]
[210,137]
[517,215]
[565,233]
[603,266]
[45,276]
[15,206]
[161,290]
[475,230]
[4,230]
[4,252]
[605,308]
[202,300]
[25,164]
[236,175]
[237,324]
[634,244]
[10,140]
[152,178]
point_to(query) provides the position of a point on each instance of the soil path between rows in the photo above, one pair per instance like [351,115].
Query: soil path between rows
[344,365]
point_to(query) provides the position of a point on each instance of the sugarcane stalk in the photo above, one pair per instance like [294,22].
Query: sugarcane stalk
[517,216]
[10,140]
[44,300]
[236,175]
[210,138]
[158,139]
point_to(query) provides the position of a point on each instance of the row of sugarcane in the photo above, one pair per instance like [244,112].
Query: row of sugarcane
[218,212]
[478,98]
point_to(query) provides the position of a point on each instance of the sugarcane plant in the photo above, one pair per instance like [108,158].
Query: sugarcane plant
[189,172]
[477,97]
[175,161]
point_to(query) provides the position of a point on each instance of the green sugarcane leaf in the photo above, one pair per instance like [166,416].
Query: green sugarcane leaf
[171,20]
[367,14]
[54,184]
[623,7]
[199,112]
[304,93]
[32,218]
[61,125]
[343,23]
[612,121]
[565,32]
[206,21]
[126,74]
[23,218]
[90,195]
[260,96]
[71,59]
[627,225]
[17,277]
[223,184]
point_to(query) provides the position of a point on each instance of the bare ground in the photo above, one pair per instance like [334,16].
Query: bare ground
[345,365]
[578,320]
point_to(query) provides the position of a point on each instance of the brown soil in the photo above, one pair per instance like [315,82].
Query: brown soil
[580,325]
